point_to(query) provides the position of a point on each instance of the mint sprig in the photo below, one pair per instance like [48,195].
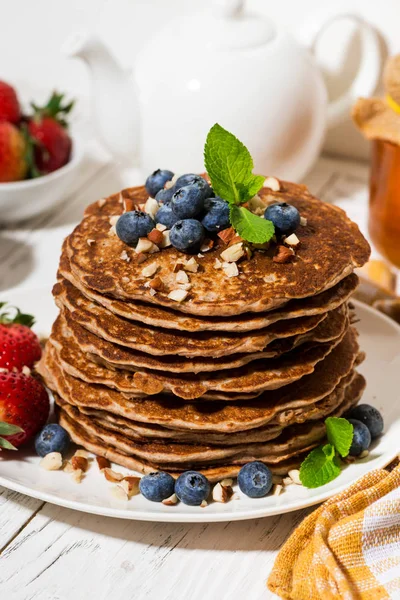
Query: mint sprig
[229,166]
[322,464]
[8,429]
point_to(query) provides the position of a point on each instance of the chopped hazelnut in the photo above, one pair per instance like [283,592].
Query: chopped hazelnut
[52,461]
[146,246]
[283,255]
[272,183]
[192,265]
[156,284]
[292,240]
[233,253]
[151,207]
[112,475]
[226,235]
[178,295]
[103,463]
[230,269]
[181,277]
[155,236]
[150,270]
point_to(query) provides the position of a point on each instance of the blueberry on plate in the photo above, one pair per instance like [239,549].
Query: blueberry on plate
[157,486]
[166,216]
[52,438]
[192,488]
[133,225]
[187,202]
[361,438]
[370,416]
[192,179]
[187,235]
[156,181]
[255,479]
[164,196]
[217,215]
[285,217]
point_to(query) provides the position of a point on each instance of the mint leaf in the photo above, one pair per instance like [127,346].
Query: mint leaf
[250,227]
[339,432]
[229,166]
[320,467]
[8,429]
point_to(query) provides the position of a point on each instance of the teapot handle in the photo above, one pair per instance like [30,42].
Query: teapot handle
[369,70]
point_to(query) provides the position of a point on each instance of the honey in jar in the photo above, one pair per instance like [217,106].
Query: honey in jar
[384,208]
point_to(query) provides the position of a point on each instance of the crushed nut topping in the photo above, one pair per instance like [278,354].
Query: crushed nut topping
[294,475]
[204,503]
[146,246]
[178,295]
[151,207]
[112,475]
[233,253]
[161,227]
[101,202]
[272,183]
[192,265]
[292,240]
[90,242]
[52,461]
[230,269]
[283,255]
[181,277]
[119,493]
[129,204]
[125,256]
[156,284]
[303,221]
[226,235]
[103,463]
[155,236]
[222,493]
[152,292]
[130,485]
[77,475]
[171,501]
[277,489]
[207,245]
[150,270]
[217,264]
[79,463]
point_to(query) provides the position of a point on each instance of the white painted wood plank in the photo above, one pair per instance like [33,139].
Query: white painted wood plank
[67,554]
[15,511]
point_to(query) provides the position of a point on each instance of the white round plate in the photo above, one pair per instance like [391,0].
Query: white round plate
[379,338]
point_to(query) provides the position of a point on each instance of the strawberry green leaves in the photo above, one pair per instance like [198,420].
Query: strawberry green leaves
[8,429]
[17,317]
[322,465]
[229,166]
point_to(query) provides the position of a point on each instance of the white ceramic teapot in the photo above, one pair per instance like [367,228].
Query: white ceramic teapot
[222,66]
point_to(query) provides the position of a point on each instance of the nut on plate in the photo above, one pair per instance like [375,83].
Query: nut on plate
[103,463]
[52,461]
[112,475]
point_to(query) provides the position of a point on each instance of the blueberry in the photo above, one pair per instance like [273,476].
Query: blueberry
[156,181]
[187,235]
[255,479]
[52,438]
[166,216]
[157,486]
[187,202]
[361,438]
[217,216]
[164,196]
[133,225]
[192,179]
[192,488]
[370,416]
[285,217]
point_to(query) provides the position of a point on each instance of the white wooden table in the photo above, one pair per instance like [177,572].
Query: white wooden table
[53,553]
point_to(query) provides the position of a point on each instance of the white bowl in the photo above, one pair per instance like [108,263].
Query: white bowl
[20,200]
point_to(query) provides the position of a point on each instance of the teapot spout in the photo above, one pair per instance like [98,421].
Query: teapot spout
[114,101]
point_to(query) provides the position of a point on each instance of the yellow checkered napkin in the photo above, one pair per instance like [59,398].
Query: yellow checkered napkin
[347,549]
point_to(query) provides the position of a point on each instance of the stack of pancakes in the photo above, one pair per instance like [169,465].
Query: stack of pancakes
[246,367]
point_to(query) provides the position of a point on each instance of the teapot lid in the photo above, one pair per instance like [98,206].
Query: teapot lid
[228,27]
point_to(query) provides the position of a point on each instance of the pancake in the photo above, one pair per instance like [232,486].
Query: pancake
[215,473]
[158,342]
[294,439]
[331,246]
[158,316]
[282,407]
[141,432]
[74,339]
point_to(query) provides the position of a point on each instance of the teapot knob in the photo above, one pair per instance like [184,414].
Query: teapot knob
[228,8]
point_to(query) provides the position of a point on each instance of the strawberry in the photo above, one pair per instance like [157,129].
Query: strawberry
[24,402]
[9,106]
[13,147]
[48,130]
[19,346]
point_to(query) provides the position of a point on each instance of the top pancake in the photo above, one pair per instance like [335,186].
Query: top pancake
[331,247]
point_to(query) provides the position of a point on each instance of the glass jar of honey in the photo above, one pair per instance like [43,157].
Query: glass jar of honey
[384,206]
